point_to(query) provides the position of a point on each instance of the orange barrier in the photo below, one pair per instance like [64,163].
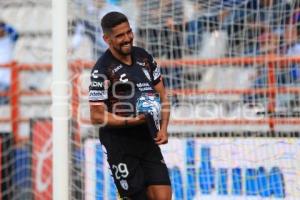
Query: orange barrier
[76,68]
[234,61]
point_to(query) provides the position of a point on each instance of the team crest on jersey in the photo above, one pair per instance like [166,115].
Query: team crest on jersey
[117,68]
[95,74]
[123,78]
[156,73]
[141,63]
[124,184]
[147,74]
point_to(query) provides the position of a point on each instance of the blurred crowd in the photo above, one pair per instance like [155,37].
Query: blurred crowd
[173,29]
[8,39]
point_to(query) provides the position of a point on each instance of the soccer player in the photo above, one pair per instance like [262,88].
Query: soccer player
[127,97]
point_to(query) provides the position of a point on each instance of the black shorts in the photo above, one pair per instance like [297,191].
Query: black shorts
[134,159]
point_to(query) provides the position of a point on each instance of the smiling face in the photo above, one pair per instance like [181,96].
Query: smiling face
[120,39]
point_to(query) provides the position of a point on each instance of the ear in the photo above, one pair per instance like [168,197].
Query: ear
[106,38]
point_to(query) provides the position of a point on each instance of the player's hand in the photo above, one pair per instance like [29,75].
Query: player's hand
[141,118]
[136,120]
[162,137]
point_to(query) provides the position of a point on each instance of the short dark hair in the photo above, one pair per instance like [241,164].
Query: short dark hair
[111,20]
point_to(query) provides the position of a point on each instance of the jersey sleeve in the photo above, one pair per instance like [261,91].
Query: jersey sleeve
[98,86]
[155,70]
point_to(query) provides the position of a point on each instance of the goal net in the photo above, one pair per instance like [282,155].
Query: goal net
[231,69]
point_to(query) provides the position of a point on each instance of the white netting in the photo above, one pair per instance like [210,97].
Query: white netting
[232,70]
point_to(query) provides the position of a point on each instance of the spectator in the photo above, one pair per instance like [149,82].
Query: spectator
[292,37]
[8,38]
[172,18]
[149,27]
[208,20]
[172,14]
[160,31]
[250,19]
[285,75]
[161,26]
[292,32]
[268,45]
[95,9]
[193,27]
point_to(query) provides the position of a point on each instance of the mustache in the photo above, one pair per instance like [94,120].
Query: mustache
[124,43]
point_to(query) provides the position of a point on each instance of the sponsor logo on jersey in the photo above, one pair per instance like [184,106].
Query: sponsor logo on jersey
[147,74]
[156,73]
[123,78]
[117,68]
[97,84]
[141,63]
[144,86]
[124,184]
[96,95]
[95,74]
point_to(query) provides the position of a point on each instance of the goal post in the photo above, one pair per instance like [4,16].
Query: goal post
[60,101]
[233,86]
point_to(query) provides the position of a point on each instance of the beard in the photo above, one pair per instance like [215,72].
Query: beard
[125,48]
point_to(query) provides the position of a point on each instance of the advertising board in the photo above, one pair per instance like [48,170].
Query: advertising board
[214,169]
[41,159]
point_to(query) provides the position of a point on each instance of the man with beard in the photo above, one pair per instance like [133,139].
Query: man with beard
[127,97]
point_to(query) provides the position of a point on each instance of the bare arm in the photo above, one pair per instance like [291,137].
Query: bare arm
[162,136]
[99,115]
